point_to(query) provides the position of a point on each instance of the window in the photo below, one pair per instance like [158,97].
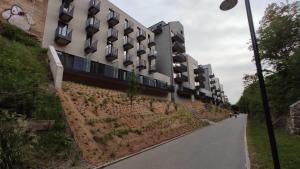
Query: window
[79,64]
[126,24]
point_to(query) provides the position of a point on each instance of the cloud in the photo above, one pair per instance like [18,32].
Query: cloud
[212,36]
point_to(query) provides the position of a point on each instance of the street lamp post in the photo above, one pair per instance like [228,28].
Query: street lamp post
[227,5]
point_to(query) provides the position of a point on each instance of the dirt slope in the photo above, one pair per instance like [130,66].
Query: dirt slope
[106,126]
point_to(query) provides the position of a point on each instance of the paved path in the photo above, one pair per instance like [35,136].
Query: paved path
[219,146]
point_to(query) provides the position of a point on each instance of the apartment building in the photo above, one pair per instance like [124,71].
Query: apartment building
[99,44]
[173,61]
[97,38]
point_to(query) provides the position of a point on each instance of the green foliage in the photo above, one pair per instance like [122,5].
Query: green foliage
[279,44]
[12,139]
[24,90]
[132,86]
[260,153]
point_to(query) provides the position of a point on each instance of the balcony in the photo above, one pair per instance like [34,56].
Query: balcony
[63,36]
[128,59]
[94,7]
[151,43]
[113,19]
[142,65]
[128,43]
[199,70]
[128,28]
[68,1]
[112,35]
[141,50]
[111,53]
[90,46]
[212,76]
[179,58]
[199,95]
[200,86]
[152,55]
[178,47]
[66,12]
[178,38]
[180,78]
[157,30]
[141,35]
[152,69]
[199,78]
[179,68]
[92,26]
[212,82]
[213,88]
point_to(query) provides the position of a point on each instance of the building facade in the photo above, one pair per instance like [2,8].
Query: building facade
[99,44]
[95,36]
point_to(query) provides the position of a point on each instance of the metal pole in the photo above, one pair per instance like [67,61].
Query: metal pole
[263,88]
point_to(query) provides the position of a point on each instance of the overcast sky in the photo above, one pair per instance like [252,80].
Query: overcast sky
[212,36]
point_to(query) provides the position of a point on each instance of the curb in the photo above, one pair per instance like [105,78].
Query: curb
[145,150]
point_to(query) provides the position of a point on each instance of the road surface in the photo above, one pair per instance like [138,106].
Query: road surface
[219,146]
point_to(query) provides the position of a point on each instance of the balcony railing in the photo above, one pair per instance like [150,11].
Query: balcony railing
[128,28]
[141,50]
[142,64]
[178,38]
[90,46]
[179,68]
[141,35]
[199,70]
[185,92]
[94,7]
[66,12]
[212,76]
[157,30]
[201,85]
[178,47]
[199,78]
[152,68]
[112,35]
[92,26]
[128,59]
[113,19]
[111,53]
[180,78]
[128,43]
[151,43]
[212,82]
[179,58]
[63,36]
[152,55]
[68,1]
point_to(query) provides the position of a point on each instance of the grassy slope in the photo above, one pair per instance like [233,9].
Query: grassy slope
[288,147]
[24,89]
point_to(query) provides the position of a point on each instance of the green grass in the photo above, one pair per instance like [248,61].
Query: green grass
[24,90]
[260,154]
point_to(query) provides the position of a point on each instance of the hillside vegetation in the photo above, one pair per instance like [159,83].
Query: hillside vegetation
[26,94]
[106,126]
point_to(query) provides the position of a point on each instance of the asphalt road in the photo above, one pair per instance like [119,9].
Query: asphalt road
[219,146]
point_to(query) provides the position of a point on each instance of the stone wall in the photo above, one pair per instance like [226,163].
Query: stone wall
[29,15]
[294,118]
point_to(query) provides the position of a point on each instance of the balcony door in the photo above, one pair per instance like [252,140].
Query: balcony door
[63,29]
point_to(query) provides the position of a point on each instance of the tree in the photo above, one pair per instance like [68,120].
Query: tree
[132,87]
[279,44]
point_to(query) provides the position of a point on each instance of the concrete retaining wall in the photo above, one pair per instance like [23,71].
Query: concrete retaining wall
[294,118]
[56,67]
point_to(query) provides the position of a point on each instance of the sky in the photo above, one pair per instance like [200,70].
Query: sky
[212,36]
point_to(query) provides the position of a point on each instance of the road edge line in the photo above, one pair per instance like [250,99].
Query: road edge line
[247,165]
[147,149]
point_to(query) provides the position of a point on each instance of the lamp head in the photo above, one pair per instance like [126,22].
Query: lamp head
[228,4]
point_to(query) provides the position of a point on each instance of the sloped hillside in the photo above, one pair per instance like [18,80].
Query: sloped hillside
[209,111]
[27,96]
[106,126]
